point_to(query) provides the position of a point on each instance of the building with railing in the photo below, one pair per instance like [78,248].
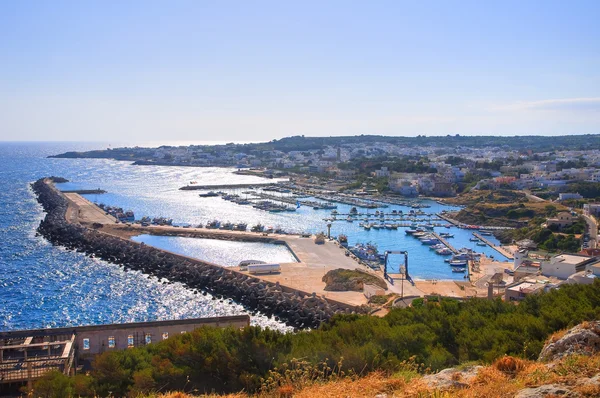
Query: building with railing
[27,355]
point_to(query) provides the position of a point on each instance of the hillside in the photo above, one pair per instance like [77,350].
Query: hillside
[425,338]
[502,208]
[569,366]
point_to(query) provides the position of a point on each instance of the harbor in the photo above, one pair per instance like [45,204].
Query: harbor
[305,275]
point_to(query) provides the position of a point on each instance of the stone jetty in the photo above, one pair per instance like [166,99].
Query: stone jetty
[296,308]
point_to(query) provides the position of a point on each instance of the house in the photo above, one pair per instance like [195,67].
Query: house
[591,209]
[383,172]
[442,188]
[568,195]
[564,265]
[519,290]
[562,219]
[583,277]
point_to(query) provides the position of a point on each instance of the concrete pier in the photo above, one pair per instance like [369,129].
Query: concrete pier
[445,242]
[499,249]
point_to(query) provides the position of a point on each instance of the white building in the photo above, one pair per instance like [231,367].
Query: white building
[567,195]
[563,266]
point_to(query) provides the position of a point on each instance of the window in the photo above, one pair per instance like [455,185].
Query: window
[111,342]
[165,335]
[86,344]
[130,341]
[148,338]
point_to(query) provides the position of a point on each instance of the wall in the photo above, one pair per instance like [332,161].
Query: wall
[98,335]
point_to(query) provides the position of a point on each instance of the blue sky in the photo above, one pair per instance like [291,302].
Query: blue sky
[249,71]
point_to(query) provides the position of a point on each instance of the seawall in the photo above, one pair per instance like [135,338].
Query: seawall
[296,308]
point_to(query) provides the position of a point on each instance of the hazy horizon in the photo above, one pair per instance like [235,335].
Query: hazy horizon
[147,71]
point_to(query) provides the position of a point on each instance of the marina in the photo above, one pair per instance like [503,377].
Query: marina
[153,192]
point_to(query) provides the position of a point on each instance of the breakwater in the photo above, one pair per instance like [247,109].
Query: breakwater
[298,309]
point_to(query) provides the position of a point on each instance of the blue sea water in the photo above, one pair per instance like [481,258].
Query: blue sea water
[45,286]
[222,252]
[42,285]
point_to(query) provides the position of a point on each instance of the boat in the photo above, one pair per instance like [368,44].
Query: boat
[458,263]
[410,231]
[213,224]
[350,219]
[459,269]
[240,227]
[227,226]
[481,244]
[474,239]
[444,251]
[208,194]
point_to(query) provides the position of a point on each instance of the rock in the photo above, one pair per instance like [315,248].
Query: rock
[590,381]
[452,378]
[583,339]
[546,390]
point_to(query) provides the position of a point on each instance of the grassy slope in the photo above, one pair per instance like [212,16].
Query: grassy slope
[502,379]
[502,207]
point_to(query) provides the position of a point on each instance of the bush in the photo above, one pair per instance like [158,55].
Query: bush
[434,334]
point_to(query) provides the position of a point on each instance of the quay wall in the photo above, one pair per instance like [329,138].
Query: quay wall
[294,307]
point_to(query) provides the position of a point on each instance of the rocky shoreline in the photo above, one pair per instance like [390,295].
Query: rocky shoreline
[297,309]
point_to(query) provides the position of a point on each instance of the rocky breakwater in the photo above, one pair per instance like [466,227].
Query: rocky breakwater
[296,308]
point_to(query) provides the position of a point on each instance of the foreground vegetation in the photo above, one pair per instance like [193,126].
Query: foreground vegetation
[436,334]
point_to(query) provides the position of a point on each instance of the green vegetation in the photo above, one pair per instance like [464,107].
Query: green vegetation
[436,334]
[549,239]
[403,164]
[588,190]
[346,279]
[502,207]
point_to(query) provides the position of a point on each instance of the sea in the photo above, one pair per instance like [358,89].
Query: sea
[42,285]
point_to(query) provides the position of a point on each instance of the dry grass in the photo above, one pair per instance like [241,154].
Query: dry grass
[504,378]
[510,366]
[557,335]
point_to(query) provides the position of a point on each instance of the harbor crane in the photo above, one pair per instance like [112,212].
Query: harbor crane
[403,268]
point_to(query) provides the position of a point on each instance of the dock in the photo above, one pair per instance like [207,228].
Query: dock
[450,220]
[499,249]
[85,191]
[445,242]
[225,186]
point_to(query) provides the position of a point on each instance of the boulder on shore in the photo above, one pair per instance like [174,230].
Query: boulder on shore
[583,339]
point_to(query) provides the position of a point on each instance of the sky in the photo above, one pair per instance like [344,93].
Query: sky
[260,70]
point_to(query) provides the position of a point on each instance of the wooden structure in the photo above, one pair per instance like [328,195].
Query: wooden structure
[27,355]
